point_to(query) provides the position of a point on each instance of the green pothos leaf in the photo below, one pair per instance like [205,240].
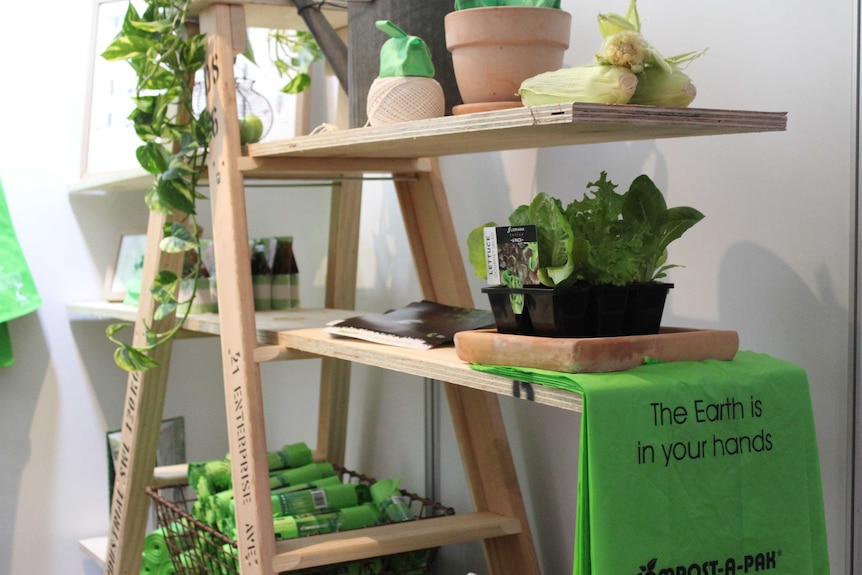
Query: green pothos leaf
[165,310]
[155,27]
[176,194]
[165,286]
[112,329]
[132,359]
[151,199]
[153,157]
[156,46]
[178,239]
[297,84]
[125,47]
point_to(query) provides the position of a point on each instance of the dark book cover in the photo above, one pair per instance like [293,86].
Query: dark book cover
[418,325]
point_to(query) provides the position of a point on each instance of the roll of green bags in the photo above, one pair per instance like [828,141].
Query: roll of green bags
[298,475]
[155,547]
[315,500]
[292,455]
[394,506]
[291,527]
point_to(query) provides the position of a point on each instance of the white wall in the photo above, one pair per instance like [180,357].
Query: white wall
[773,260]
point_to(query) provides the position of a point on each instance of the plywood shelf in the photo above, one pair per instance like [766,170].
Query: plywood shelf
[519,128]
[402,148]
[297,334]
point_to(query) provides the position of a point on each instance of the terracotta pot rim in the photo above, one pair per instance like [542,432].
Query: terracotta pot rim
[505,8]
[461,29]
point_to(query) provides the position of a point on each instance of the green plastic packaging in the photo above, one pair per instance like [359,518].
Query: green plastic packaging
[290,456]
[315,500]
[393,506]
[304,474]
[291,527]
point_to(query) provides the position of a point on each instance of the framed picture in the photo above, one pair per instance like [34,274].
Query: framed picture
[127,264]
[171,451]
[109,137]
[110,140]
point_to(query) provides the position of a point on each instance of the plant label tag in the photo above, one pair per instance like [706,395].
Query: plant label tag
[512,255]
[492,263]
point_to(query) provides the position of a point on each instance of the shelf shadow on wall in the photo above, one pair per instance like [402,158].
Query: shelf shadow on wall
[22,387]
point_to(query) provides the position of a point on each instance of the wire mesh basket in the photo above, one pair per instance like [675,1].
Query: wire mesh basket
[249,103]
[198,549]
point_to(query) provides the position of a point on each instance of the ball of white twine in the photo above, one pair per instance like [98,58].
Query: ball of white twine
[404,98]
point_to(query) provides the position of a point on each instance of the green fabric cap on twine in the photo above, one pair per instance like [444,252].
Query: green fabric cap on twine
[402,54]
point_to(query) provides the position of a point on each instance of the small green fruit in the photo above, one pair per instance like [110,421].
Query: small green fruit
[250,129]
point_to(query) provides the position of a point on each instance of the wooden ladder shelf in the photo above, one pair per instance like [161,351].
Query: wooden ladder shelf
[499,519]
[407,151]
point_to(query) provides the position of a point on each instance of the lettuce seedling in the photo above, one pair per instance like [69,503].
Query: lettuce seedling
[628,233]
[644,208]
[562,255]
[603,238]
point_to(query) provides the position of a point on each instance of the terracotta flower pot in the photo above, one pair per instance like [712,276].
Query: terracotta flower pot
[495,49]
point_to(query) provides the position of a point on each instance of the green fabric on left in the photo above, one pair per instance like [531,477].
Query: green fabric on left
[18,293]
[710,464]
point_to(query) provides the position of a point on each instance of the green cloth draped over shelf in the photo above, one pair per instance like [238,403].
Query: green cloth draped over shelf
[18,293]
[711,464]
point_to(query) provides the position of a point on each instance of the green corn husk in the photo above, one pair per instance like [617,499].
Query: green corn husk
[659,88]
[588,84]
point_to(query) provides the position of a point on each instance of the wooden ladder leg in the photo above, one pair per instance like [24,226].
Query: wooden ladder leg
[142,417]
[476,415]
[340,294]
[226,34]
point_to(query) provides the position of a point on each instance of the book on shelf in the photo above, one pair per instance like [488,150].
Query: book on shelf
[418,325]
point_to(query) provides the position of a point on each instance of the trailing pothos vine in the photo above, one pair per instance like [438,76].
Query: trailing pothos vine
[166,58]
[175,140]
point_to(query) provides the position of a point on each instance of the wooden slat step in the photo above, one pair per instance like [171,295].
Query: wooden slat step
[389,539]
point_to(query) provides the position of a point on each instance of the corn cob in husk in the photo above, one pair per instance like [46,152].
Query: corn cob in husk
[657,87]
[590,84]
